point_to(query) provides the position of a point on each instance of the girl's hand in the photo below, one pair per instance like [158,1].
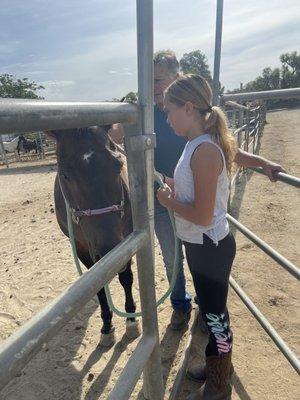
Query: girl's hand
[164,195]
[170,182]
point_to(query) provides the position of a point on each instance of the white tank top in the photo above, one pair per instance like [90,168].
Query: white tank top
[184,192]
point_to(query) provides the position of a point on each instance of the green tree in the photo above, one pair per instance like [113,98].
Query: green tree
[269,80]
[285,77]
[130,97]
[290,70]
[11,87]
[195,62]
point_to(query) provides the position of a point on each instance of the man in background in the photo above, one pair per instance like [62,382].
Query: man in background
[167,152]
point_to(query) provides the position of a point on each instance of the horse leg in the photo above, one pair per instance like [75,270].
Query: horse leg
[126,280]
[107,331]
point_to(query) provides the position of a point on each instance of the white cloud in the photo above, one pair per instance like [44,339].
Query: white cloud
[87,51]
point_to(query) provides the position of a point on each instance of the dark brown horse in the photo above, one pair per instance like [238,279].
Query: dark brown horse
[27,145]
[92,175]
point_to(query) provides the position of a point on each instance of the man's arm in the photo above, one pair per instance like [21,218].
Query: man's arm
[245,159]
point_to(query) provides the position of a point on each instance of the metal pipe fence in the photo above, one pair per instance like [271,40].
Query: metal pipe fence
[27,116]
[279,342]
[246,129]
[21,115]
[34,115]
[251,132]
[133,369]
[281,176]
[3,153]
[286,264]
[21,346]
[263,95]
[141,174]
[217,57]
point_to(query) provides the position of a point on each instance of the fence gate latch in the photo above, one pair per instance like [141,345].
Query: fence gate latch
[140,142]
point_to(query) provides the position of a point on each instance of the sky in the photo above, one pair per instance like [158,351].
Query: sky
[86,50]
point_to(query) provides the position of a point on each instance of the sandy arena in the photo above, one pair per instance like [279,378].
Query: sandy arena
[36,265]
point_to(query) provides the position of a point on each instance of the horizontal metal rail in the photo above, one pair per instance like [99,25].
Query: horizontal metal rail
[253,110]
[233,104]
[281,176]
[288,353]
[240,129]
[133,369]
[17,115]
[286,264]
[263,95]
[21,346]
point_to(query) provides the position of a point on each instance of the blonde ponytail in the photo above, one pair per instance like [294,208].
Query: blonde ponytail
[216,124]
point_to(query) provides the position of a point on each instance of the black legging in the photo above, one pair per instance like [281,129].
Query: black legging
[210,266]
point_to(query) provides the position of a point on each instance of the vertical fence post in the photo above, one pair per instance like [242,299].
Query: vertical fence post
[141,174]
[217,58]
[240,124]
[256,119]
[4,158]
[41,147]
[247,131]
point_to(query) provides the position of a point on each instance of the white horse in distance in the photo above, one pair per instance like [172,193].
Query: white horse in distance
[11,146]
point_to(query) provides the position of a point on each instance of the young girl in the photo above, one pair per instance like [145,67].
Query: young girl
[198,198]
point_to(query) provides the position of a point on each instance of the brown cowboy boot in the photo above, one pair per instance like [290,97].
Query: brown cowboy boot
[217,385]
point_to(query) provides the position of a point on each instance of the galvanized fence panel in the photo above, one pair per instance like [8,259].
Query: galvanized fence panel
[21,346]
[262,95]
[249,134]
[27,116]
[21,115]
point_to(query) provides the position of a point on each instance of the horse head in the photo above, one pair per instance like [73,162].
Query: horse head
[92,177]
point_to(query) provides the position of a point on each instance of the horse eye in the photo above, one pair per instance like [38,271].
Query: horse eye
[66,177]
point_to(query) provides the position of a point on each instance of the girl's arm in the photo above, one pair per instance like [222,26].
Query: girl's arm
[206,165]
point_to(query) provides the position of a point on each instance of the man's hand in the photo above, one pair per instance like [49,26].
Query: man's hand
[116,132]
[245,159]
[270,168]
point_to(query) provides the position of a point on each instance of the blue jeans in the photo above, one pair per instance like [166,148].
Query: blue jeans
[180,299]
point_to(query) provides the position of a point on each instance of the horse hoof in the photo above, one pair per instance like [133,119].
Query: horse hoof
[132,329]
[107,339]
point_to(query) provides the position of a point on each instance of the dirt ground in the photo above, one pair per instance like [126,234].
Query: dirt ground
[36,265]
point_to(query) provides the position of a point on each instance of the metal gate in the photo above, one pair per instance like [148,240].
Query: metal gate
[27,115]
